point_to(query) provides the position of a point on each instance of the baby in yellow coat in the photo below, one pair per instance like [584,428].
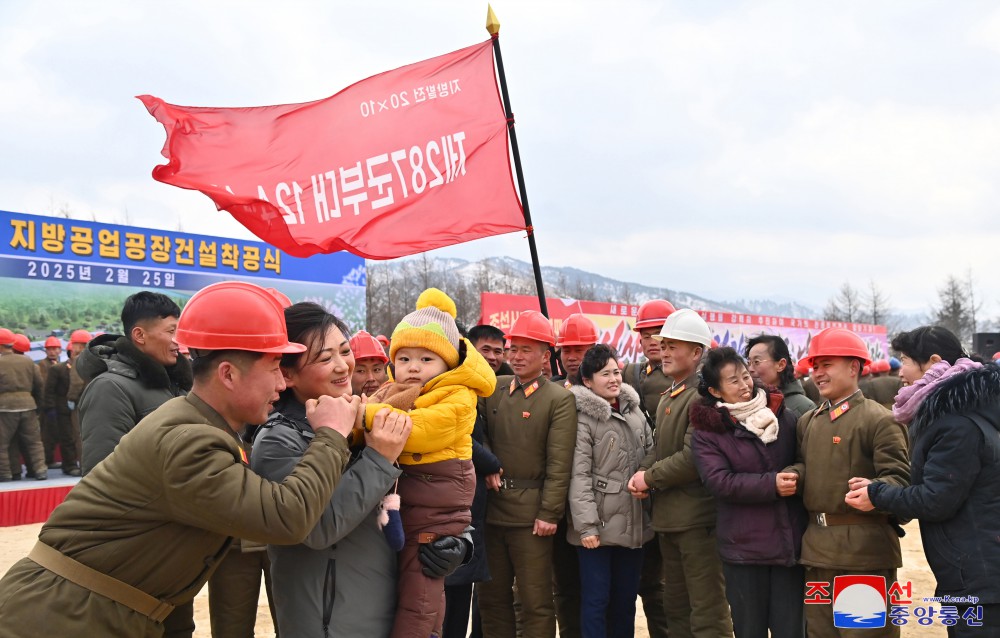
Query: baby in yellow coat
[438,377]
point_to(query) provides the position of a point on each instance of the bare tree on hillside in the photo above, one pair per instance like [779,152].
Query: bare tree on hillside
[974,307]
[846,305]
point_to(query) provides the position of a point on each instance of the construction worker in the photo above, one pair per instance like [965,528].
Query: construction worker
[683,509]
[802,371]
[576,335]
[531,425]
[884,385]
[146,528]
[47,422]
[20,396]
[847,436]
[63,388]
[647,378]
[489,341]
[370,362]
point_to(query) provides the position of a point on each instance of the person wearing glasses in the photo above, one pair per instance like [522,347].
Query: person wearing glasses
[770,363]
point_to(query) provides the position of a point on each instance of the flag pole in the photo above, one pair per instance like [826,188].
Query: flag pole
[493,26]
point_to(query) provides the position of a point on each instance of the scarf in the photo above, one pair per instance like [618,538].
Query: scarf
[755,416]
[909,397]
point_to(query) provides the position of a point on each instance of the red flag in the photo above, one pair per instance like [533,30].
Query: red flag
[402,162]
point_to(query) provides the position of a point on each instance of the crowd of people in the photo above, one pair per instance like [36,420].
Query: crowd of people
[442,479]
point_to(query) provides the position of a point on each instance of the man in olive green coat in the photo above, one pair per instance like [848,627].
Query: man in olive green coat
[648,379]
[145,529]
[20,395]
[531,426]
[846,436]
[683,510]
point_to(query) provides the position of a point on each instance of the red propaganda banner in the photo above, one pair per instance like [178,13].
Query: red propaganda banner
[402,162]
[733,329]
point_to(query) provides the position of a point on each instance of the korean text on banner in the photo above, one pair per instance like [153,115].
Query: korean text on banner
[402,162]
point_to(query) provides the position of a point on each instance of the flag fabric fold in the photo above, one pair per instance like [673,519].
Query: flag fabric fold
[399,163]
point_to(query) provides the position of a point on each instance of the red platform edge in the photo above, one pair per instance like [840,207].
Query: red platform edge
[24,507]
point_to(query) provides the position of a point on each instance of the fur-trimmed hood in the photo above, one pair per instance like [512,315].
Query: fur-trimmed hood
[704,415]
[973,391]
[595,407]
[115,353]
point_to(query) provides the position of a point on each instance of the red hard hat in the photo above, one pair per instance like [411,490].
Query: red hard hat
[365,346]
[996,356]
[235,315]
[866,370]
[802,368]
[653,313]
[881,366]
[384,340]
[21,344]
[281,297]
[838,342]
[80,336]
[578,330]
[532,324]
[6,337]
[53,342]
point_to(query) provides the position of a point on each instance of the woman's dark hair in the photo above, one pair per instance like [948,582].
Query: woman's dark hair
[307,323]
[921,343]
[711,369]
[595,359]
[778,349]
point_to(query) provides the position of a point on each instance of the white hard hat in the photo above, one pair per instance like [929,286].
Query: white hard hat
[686,325]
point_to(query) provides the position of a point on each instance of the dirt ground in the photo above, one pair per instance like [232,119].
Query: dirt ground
[15,542]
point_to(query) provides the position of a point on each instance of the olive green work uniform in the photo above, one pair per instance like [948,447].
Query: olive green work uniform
[855,437]
[684,518]
[21,392]
[532,430]
[158,514]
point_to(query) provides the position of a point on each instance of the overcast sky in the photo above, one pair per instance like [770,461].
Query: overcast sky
[729,149]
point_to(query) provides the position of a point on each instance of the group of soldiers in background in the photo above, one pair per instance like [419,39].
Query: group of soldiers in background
[38,406]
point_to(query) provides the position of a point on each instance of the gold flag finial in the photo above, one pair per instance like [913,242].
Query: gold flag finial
[492,22]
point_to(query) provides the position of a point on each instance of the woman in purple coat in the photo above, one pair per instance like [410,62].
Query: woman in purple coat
[742,438]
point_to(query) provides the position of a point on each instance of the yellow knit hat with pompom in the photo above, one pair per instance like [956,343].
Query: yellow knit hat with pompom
[431,326]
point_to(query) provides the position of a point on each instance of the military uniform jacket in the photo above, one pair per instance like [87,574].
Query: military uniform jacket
[44,366]
[532,430]
[649,381]
[884,389]
[863,441]
[21,385]
[159,515]
[680,500]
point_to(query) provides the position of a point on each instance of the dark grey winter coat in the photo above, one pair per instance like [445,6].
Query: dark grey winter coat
[955,484]
[125,386]
[342,580]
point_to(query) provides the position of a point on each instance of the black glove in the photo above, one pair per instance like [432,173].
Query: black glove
[442,557]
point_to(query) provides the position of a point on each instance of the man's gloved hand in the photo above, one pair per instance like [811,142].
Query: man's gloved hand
[442,557]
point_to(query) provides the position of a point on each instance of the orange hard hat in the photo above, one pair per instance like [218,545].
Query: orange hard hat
[53,342]
[365,346]
[235,315]
[838,342]
[653,313]
[881,366]
[80,336]
[21,344]
[532,324]
[578,330]
[6,337]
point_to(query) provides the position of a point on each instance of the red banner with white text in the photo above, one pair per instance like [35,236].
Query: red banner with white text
[733,329]
[399,163]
